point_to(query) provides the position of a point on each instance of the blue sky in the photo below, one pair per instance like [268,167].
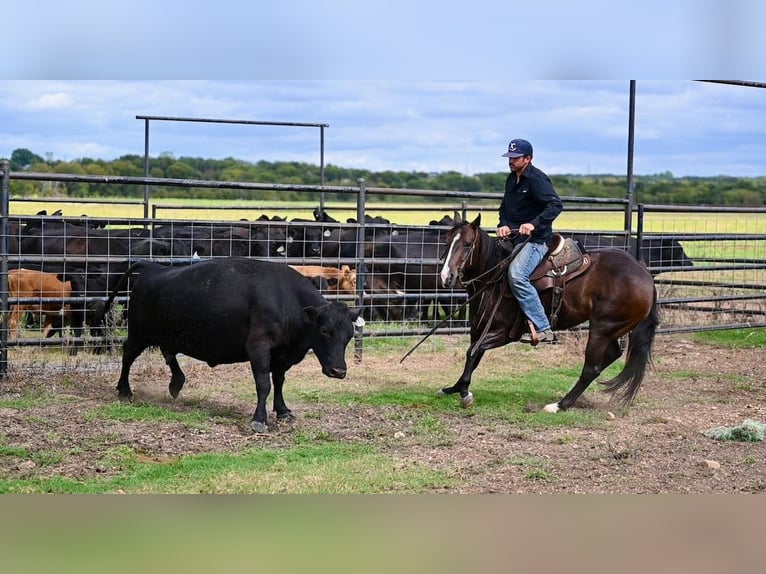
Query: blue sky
[576,126]
[322,62]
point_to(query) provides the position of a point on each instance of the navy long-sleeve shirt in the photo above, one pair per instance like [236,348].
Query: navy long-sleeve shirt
[531,200]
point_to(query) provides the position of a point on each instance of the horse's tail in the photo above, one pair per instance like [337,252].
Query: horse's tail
[639,355]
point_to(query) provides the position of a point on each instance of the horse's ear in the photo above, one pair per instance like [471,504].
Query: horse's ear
[476,223]
[457,219]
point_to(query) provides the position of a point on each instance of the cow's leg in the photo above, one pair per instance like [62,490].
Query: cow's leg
[260,358]
[177,377]
[130,352]
[14,321]
[283,412]
[466,396]
[76,321]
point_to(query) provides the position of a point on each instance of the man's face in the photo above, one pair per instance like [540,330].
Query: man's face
[519,164]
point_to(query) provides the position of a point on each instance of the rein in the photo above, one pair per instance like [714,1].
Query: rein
[476,293]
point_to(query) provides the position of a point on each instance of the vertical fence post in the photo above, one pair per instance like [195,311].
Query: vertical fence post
[360,267]
[4,212]
[631,144]
[321,168]
[146,168]
[640,231]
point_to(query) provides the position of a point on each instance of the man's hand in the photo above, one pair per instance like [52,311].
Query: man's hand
[503,231]
[526,229]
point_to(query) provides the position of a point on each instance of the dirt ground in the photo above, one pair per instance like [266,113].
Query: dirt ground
[657,446]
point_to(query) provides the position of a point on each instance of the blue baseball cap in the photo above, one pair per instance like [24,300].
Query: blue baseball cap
[518,148]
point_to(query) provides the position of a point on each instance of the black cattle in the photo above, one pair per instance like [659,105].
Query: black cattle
[446,220]
[232,310]
[57,237]
[303,238]
[339,241]
[261,239]
[656,251]
[409,261]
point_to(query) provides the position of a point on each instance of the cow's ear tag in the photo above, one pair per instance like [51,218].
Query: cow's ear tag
[359,323]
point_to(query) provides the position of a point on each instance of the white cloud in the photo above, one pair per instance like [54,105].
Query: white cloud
[431,126]
[55,101]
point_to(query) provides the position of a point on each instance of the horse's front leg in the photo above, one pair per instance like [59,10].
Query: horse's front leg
[471,362]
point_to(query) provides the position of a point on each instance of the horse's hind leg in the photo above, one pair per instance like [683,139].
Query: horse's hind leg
[599,354]
[466,397]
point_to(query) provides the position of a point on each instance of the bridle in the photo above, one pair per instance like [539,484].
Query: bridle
[478,292]
[468,259]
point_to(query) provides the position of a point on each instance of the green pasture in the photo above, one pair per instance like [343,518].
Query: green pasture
[309,459]
[403,214]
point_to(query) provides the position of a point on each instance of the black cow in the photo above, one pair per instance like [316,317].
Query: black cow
[656,251]
[232,310]
[399,257]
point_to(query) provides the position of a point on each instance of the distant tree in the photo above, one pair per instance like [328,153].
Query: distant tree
[22,158]
[661,188]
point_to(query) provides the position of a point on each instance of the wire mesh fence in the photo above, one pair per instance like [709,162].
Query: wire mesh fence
[709,267]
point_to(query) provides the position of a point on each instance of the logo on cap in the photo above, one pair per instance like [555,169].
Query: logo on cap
[518,148]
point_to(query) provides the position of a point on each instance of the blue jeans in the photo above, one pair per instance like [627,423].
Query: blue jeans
[521,267]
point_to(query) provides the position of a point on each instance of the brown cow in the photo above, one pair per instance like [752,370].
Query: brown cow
[340,281]
[27,283]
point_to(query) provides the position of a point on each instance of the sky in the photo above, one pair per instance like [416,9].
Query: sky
[685,127]
[375,74]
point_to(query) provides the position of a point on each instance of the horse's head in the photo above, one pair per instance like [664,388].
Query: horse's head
[461,242]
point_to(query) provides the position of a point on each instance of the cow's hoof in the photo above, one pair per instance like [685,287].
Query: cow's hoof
[467,400]
[259,427]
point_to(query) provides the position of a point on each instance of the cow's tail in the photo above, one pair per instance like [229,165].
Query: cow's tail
[639,355]
[104,312]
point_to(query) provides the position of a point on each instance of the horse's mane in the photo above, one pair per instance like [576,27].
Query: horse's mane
[492,252]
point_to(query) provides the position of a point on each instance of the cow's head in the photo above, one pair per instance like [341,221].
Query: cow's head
[664,252]
[311,241]
[332,327]
[344,282]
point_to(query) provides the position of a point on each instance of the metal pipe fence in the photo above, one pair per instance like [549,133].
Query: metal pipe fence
[396,265]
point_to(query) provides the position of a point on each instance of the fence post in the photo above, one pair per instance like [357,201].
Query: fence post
[4,212]
[360,268]
[629,195]
[640,232]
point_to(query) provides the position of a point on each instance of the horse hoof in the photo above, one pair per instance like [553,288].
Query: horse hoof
[441,393]
[551,408]
[286,417]
[467,400]
[259,427]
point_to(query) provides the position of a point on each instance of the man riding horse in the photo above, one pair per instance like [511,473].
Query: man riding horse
[527,211]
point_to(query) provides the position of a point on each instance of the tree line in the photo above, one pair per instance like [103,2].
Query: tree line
[661,188]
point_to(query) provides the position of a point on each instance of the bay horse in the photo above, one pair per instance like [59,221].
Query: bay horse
[615,294]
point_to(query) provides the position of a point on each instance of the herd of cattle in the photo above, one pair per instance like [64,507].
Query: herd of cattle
[62,270]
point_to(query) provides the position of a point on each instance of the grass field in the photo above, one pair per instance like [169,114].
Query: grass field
[401,214]
[374,432]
